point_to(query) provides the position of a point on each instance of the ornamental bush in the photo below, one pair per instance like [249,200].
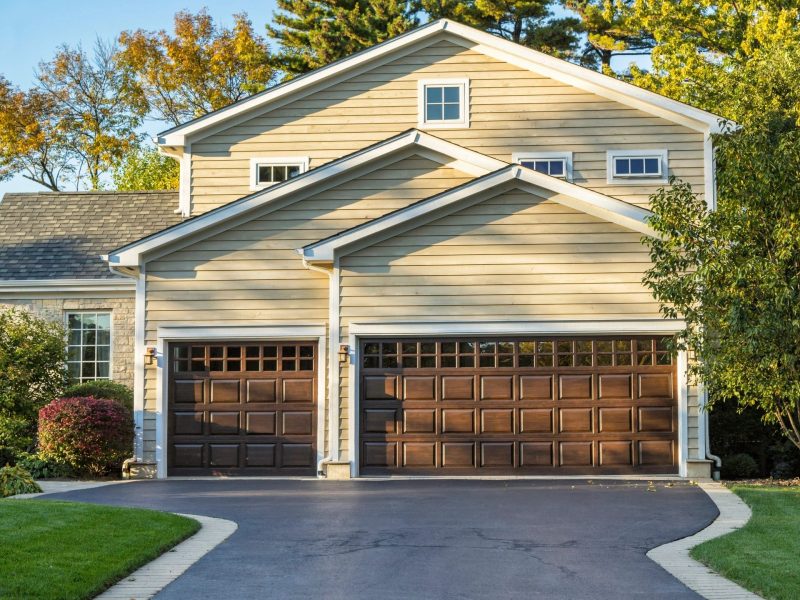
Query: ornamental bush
[102,388]
[93,436]
[16,480]
[739,466]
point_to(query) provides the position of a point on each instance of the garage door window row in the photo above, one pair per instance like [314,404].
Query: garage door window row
[249,357]
[526,353]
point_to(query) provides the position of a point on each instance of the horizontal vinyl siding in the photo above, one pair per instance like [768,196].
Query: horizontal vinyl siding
[512,110]
[510,257]
[252,274]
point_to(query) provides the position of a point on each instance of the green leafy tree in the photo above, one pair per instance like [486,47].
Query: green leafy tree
[314,33]
[611,29]
[198,69]
[146,169]
[32,373]
[733,274]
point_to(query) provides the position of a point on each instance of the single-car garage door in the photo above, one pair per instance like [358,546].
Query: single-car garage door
[246,408]
[543,405]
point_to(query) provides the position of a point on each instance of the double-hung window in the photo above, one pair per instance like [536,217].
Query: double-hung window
[555,164]
[444,103]
[637,166]
[268,171]
[88,345]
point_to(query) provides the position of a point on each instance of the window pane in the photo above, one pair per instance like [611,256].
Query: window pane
[104,337]
[89,321]
[89,338]
[434,112]
[557,168]
[409,348]
[264,174]
[74,370]
[542,166]
[637,166]
[74,321]
[448,347]
[651,166]
[452,94]
[104,321]
[430,348]
[103,353]
[451,112]
[487,347]
[87,370]
[433,94]
[292,171]
[278,173]
[74,353]
[75,337]
[622,166]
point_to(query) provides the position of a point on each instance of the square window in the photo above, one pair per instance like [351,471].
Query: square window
[443,103]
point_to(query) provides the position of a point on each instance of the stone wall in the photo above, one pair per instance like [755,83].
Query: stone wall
[122,325]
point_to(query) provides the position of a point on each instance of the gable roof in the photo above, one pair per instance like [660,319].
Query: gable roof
[568,194]
[469,161]
[61,235]
[491,45]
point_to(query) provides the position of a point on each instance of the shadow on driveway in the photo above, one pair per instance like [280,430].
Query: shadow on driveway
[427,538]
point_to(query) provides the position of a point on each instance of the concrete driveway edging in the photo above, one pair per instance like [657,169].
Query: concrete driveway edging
[674,557]
[150,579]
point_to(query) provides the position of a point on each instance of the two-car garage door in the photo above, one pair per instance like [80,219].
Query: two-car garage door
[535,405]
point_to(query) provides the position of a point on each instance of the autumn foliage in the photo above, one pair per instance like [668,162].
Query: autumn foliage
[91,435]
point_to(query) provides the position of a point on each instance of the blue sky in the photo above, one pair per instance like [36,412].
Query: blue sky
[31,30]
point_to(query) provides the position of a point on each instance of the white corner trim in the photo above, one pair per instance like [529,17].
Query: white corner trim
[709,172]
[285,331]
[661,153]
[65,285]
[568,194]
[518,157]
[140,315]
[683,413]
[537,62]
[675,559]
[185,191]
[464,108]
[150,579]
[300,161]
[132,254]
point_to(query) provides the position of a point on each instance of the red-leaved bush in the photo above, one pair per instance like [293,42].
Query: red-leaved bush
[91,435]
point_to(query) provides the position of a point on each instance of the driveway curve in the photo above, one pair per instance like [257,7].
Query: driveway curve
[431,539]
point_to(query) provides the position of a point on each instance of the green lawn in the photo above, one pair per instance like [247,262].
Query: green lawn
[762,556]
[63,550]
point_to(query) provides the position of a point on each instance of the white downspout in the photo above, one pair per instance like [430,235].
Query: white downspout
[706,426]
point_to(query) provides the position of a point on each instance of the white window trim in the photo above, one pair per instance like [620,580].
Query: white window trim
[661,153]
[96,311]
[302,161]
[462,123]
[518,157]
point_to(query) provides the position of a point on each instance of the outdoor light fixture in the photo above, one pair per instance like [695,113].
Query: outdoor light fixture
[344,350]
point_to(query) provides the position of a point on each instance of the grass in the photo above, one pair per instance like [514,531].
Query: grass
[70,550]
[763,555]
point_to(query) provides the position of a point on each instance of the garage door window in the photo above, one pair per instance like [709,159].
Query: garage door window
[249,358]
[529,353]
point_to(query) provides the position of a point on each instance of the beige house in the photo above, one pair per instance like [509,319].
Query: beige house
[423,259]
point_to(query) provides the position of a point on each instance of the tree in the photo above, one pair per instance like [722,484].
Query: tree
[733,274]
[144,168]
[701,43]
[97,115]
[314,33]
[31,140]
[611,30]
[32,373]
[201,68]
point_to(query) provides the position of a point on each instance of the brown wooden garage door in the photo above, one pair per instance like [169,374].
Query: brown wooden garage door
[545,405]
[247,408]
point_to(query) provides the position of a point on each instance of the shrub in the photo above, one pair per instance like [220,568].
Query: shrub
[102,388]
[43,468]
[16,480]
[739,466]
[92,436]
[32,373]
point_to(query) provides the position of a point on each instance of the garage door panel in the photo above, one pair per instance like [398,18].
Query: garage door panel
[242,408]
[577,405]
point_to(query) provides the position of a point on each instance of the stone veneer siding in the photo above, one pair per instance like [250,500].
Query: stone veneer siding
[122,325]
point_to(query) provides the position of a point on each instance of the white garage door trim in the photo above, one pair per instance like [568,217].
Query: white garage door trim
[184,333]
[357,331]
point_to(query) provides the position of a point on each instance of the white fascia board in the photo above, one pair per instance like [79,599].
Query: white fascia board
[66,285]
[491,45]
[131,255]
[568,194]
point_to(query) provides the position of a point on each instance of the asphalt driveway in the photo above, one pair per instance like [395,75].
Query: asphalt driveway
[427,538]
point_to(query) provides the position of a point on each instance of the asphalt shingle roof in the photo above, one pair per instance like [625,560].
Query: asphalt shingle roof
[60,235]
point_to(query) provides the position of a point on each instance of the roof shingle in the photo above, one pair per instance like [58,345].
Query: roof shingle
[61,235]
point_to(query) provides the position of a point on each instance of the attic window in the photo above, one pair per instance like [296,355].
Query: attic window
[637,166]
[268,171]
[444,103]
[555,164]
